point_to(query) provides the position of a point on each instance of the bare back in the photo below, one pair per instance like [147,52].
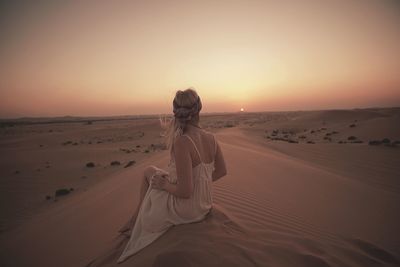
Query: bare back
[202,147]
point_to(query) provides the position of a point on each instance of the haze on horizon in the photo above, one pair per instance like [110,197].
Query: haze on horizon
[97,58]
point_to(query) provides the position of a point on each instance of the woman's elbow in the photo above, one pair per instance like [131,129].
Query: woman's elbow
[185,196]
[224,173]
[187,193]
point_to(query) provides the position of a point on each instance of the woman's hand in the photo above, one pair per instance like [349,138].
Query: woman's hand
[159,181]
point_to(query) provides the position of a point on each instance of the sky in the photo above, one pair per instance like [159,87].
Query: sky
[100,58]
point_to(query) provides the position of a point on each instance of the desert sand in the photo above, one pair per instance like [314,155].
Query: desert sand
[307,188]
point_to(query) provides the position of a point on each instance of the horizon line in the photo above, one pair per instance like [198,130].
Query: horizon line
[137,116]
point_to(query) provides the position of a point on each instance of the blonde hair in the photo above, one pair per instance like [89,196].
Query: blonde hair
[186,109]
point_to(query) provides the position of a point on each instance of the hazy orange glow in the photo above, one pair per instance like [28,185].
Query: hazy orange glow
[109,58]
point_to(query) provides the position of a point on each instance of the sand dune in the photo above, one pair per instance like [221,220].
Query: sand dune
[280,205]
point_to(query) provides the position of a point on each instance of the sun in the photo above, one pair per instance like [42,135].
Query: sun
[241,109]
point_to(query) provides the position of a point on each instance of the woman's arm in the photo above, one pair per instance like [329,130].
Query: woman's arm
[220,167]
[183,162]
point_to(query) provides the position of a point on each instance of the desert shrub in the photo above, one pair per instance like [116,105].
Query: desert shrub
[62,192]
[374,143]
[90,164]
[130,163]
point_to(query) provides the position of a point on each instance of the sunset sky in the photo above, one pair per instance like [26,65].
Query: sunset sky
[94,58]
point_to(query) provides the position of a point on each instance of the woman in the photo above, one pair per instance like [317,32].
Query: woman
[183,193]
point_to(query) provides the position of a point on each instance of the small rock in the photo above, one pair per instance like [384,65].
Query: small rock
[90,164]
[351,138]
[48,197]
[352,125]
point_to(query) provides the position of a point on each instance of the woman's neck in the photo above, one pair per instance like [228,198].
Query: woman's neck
[193,126]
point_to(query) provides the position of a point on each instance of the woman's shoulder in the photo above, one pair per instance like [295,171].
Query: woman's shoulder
[208,133]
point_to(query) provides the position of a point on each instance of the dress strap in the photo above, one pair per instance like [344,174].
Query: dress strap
[215,145]
[195,147]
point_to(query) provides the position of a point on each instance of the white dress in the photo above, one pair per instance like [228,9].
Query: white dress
[160,210]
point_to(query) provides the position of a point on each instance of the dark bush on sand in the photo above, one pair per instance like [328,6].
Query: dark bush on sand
[130,163]
[90,164]
[374,143]
[351,138]
[62,192]
[115,163]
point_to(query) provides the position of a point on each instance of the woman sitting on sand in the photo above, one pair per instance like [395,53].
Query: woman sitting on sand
[183,194]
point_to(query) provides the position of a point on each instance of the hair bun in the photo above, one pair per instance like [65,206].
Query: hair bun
[186,113]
